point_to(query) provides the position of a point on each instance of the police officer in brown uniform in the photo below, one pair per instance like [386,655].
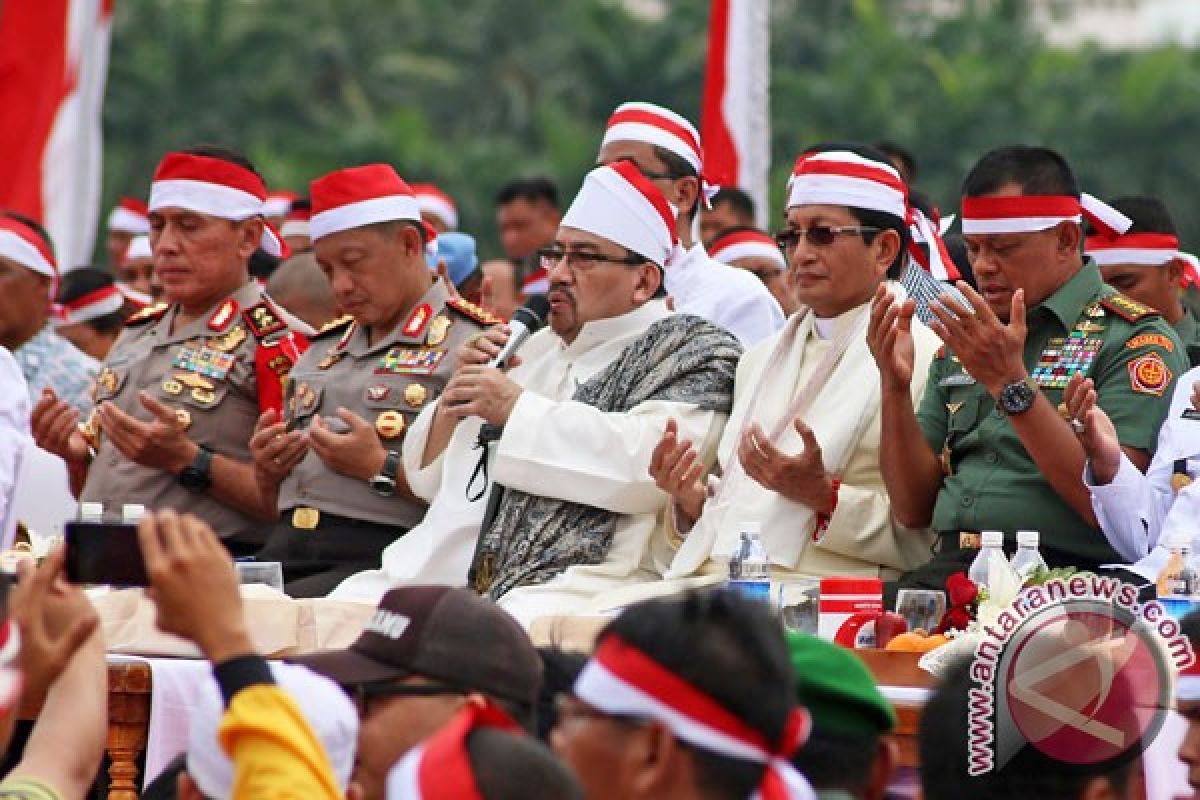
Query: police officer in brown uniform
[184,384]
[333,459]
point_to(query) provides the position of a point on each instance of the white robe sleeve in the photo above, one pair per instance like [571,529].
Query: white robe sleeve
[574,452]
[14,438]
[424,481]
[1125,508]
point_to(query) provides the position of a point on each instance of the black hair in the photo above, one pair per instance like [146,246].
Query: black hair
[508,766]
[1036,170]
[560,668]
[33,225]
[730,648]
[894,152]
[741,202]
[224,154]
[533,190]
[83,280]
[1149,214]
[262,264]
[942,745]
[957,248]
[679,167]
[869,217]
[301,204]
[838,761]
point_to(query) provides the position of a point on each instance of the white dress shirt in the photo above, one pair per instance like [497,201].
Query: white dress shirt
[727,296]
[14,438]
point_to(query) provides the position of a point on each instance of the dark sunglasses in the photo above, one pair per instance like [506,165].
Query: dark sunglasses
[819,235]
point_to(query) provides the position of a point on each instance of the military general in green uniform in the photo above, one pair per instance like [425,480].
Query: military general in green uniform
[990,447]
[1145,264]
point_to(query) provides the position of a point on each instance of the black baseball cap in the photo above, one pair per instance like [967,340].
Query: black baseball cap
[449,635]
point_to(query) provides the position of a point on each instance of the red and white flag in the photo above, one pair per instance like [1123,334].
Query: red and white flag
[53,65]
[735,121]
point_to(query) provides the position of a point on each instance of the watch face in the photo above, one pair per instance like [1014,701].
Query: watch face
[1017,397]
[192,478]
[383,485]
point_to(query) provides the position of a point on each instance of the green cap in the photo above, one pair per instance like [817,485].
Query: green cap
[837,689]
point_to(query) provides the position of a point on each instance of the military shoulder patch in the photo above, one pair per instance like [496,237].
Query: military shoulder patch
[473,311]
[1127,308]
[148,313]
[1151,339]
[263,320]
[1149,374]
[333,326]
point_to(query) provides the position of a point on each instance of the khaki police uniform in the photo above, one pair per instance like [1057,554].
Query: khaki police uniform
[332,525]
[990,481]
[218,373]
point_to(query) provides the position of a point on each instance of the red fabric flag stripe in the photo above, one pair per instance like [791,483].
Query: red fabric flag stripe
[807,165]
[722,165]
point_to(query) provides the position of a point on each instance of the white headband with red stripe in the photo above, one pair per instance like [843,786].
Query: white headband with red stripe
[620,679]
[845,178]
[662,127]
[93,305]
[215,187]
[129,216]
[619,203]
[440,767]
[1147,249]
[433,200]
[746,244]
[1033,213]
[21,244]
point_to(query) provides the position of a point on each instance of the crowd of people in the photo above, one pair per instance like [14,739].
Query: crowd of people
[334,381]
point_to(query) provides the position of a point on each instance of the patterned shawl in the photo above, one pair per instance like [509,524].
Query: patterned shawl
[679,359]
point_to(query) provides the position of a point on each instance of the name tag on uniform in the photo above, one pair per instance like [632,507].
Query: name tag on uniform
[207,361]
[957,379]
[409,361]
[1191,413]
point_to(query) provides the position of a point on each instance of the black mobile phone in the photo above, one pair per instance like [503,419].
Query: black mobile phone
[105,553]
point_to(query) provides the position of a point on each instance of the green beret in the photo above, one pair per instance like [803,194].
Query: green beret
[837,688]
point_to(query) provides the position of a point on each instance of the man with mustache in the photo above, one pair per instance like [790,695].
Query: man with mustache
[573,510]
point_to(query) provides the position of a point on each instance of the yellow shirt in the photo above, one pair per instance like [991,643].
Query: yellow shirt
[274,751]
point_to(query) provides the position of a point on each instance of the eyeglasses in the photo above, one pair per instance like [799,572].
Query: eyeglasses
[568,707]
[582,261]
[819,235]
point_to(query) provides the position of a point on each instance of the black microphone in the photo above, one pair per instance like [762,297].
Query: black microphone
[526,321]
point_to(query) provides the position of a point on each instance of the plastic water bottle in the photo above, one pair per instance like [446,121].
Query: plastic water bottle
[749,567]
[1178,579]
[1027,560]
[992,549]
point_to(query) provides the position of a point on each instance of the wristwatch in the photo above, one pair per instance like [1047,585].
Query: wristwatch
[197,476]
[1017,397]
[384,484]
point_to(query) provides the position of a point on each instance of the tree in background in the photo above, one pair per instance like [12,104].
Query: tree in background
[474,93]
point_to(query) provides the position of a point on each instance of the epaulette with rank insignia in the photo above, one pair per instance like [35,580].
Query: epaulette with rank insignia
[333,326]
[472,311]
[263,320]
[148,313]
[1127,308]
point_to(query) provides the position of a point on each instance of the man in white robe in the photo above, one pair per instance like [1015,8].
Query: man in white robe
[800,454]
[556,450]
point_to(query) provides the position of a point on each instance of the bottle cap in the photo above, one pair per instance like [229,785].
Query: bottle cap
[1027,538]
[993,539]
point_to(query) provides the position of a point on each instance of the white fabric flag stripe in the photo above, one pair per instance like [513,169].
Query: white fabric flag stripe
[747,99]
[72,159]
[1013,224]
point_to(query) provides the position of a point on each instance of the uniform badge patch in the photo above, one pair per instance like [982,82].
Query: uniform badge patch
[390,424]
[222,315]
[1063,357]
[378,393]
[1150,339]
[1149,374]
[409,361]
[438,330]
[228,342]
[205,361]
[415,394]
[957,379]
[263,320]
[417,320]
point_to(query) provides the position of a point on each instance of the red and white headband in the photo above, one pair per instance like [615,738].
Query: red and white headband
[440,767]
[746,244]
[1187,683]
[1146,249]
[843,178]
[297,223]
[215,187]
[278,203]
[433,200]
[139,247]
[619,203]
[129,216]
[22,244]
[936,261]
[1033,213]
[620,679]
[662,127]
[358,196]
[93,305]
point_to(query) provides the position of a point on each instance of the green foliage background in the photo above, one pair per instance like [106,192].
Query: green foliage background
[473,93]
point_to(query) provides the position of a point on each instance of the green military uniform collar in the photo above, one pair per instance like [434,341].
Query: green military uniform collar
[1068,302]
[1187,328]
